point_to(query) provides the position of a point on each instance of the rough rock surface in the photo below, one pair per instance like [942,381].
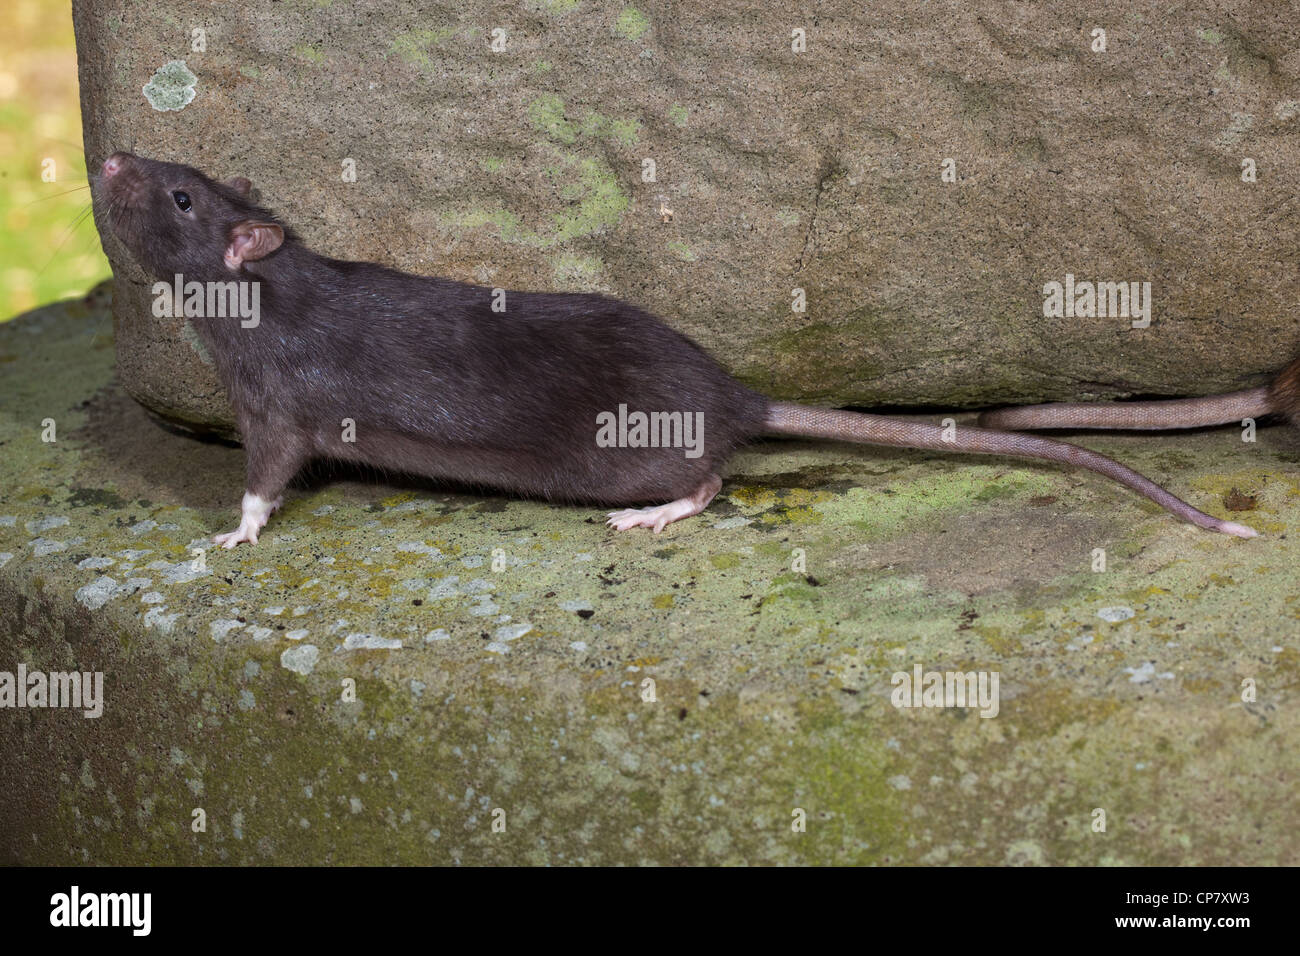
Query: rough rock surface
[820,170]
[520,690]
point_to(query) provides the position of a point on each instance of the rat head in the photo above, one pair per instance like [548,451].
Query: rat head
[175,220]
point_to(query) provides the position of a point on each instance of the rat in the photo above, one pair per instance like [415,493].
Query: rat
[358,362]
[1282,397]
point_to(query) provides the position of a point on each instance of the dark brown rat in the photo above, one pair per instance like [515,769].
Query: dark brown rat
[1282,397]
[434,381]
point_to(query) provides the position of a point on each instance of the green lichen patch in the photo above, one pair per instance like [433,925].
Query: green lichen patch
[308,53]
[595,203]
[413,46]
[631,24]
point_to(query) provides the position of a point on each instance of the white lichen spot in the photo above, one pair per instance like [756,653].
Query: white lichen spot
[512,632]
[1115,614]
[171,87]
[438,634]
[485,607]
[900,782]
[736,521]
[151,597]
[273,611]
[223,626]
[97,593]
[445,588]
[43,546]
[297,634]
[419,547]
[41,525]
[576,605]
[131,585]
[246,700]
[367,642]
[579,646]
[301,660]
[1143,674]
[163,621]
[140,527]
[259,633]
[183,572]
[8,521]
[95,564]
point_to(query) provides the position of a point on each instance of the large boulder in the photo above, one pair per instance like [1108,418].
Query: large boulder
[393,671]
[821,170]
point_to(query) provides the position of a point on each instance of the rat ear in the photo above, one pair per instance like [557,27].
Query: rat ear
[251,240]
[241,185]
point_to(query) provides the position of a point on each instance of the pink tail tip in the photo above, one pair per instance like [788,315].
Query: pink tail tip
[1240,530]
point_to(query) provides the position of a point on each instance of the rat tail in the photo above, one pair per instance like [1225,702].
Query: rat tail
[807,422]
[1177,413]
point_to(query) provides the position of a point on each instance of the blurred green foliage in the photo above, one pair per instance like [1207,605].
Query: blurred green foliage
[46,251]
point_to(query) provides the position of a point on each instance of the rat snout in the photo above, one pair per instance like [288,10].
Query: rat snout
[113,165]
[121,176]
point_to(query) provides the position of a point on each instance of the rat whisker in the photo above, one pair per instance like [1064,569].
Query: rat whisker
[66,192]
[68,233]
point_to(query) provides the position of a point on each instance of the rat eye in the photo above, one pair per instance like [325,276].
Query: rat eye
[182,200]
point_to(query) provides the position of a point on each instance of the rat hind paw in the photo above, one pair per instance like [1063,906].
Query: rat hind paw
[656,518]
[661,516]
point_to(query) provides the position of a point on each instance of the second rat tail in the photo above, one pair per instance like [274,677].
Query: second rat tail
[808,422]
[1177,413]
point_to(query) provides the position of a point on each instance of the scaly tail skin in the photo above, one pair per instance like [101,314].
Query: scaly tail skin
[1176,413]
[808,422]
